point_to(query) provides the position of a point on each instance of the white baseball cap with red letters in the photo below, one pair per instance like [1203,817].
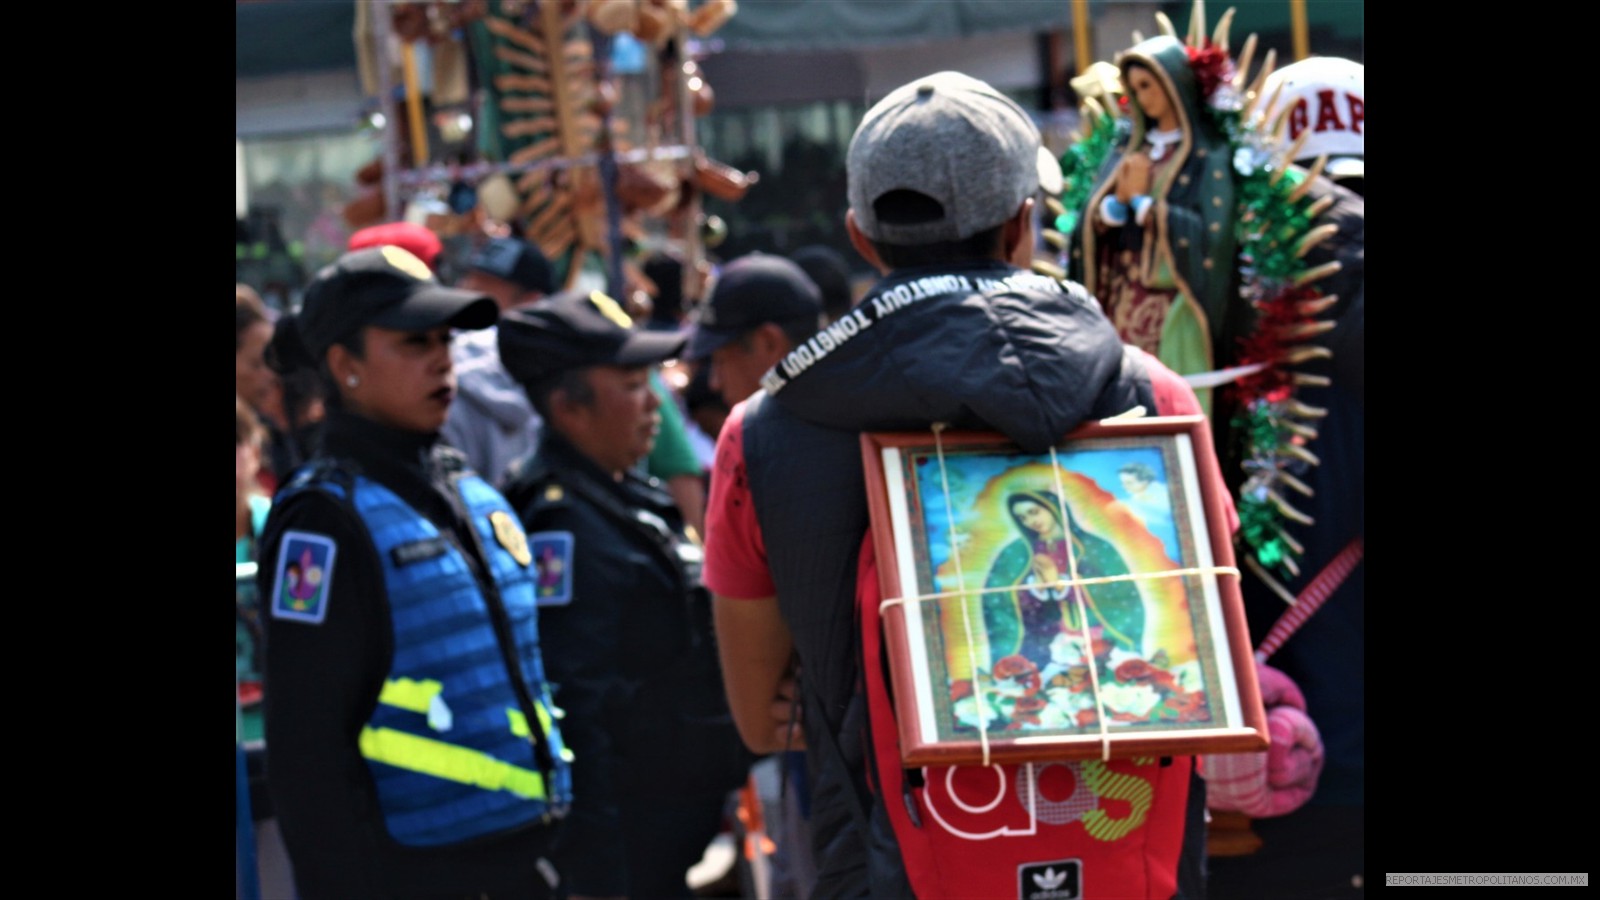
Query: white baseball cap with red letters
[1324,96]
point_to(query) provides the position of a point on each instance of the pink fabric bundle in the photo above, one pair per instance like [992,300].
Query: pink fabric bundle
[1280,779]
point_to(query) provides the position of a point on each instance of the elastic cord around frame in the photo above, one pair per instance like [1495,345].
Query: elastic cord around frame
[1083,609]
[1102,579]
[966,613]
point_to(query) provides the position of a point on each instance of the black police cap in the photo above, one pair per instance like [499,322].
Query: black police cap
[573,330]
[388,287]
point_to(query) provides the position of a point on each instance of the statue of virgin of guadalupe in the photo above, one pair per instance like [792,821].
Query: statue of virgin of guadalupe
[1157,241]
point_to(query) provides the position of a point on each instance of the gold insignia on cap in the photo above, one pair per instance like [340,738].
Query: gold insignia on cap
[510,536]
[610,309]
[554,492]
[407,262]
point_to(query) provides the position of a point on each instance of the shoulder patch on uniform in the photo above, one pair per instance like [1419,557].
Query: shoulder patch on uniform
[302,577]
[552,553]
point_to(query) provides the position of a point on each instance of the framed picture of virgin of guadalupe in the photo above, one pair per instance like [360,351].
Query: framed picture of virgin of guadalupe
[1077,603]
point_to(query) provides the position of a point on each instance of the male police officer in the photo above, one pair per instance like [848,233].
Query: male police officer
[626,624]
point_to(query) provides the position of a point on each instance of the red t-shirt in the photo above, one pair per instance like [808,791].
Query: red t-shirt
[736,553]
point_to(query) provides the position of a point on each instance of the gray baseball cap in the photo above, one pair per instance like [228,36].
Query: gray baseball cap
[954,140]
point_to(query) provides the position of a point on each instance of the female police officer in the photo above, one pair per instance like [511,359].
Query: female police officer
[628,623]
[411,751]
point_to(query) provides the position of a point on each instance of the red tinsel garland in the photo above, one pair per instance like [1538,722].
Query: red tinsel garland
[1265,344]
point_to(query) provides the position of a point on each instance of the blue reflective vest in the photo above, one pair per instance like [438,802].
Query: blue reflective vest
[449,743]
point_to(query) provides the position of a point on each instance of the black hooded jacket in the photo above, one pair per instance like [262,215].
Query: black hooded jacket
[986,346]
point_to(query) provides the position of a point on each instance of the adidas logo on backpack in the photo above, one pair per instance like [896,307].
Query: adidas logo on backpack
[1057,880]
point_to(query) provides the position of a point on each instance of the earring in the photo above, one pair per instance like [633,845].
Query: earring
[353,380]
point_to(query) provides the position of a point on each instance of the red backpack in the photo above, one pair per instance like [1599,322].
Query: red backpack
[1080,830]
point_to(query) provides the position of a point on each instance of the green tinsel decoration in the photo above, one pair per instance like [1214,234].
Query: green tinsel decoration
[1260,428]
[1260,521]
[1079,165]
[1269,227]
[1260,525]
[1273,251]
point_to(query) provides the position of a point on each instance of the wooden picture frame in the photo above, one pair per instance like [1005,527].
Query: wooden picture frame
[987,646]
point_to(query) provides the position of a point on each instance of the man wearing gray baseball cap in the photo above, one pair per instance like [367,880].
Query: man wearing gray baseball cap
[958,332]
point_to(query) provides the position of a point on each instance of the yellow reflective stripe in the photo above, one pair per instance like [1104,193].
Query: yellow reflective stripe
[408,694]
[450,762]
[519,722]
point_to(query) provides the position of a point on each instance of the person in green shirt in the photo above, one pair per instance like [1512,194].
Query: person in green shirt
[674,462]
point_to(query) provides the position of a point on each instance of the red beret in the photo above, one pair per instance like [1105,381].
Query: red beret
[423,244]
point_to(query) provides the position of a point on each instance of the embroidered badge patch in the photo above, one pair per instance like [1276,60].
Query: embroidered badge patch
[302,577]
[552,553]
[1059,880]
[510,536]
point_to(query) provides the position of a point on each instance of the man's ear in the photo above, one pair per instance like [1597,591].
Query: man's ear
[769,340]
[862,243]
[1017,236]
